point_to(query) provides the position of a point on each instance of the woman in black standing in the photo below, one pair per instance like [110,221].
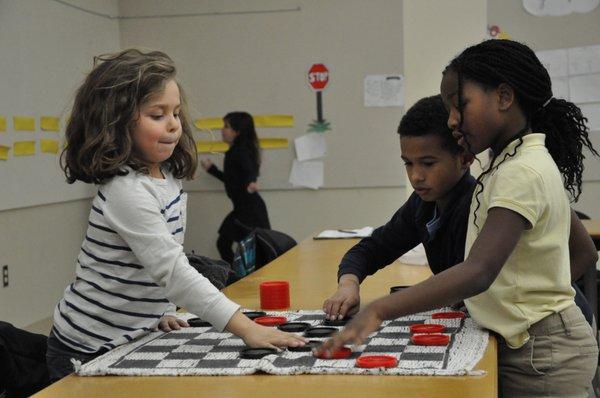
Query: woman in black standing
[240,171]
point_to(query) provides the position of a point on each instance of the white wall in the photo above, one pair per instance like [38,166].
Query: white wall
[45,50]
[297,213]
[548,33]
[258,62]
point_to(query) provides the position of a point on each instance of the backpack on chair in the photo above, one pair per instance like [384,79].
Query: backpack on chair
[244,259]
[23,369]
[218,272]
[259,247]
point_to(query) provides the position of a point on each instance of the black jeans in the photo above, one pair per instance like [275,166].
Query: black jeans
[224,244]
[58,358]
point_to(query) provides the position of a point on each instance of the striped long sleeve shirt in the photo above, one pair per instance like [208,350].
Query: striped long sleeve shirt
[131,267]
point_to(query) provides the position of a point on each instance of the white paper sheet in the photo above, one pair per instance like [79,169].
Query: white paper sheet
[384,90]
[557,8]
[415,256]
[592,112]
[585,88]
[345,233]
[584,60]
[307,174]
[555,61]
[310,146]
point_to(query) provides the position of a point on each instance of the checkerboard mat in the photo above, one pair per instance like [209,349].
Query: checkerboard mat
[205,351]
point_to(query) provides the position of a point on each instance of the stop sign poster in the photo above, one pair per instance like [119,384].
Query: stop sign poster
[318,78]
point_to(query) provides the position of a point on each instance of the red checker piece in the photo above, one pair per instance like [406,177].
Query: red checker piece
[271,320]
[342,353]
[377,361]
[427,328]
[430,339]
[449,315]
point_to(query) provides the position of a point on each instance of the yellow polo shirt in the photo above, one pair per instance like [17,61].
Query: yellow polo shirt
[535,281]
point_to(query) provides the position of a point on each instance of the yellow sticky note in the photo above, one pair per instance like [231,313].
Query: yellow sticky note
[2,123]
[49,146]
[24,123]
[50,123]
[4,152]
[274,121]
[273,143]
[24,148]
[209,123]
[211,146]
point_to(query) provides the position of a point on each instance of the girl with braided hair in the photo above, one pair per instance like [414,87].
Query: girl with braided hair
[516,278]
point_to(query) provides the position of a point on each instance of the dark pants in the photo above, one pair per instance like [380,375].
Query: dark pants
[224,244]
[58,358]
[240,222]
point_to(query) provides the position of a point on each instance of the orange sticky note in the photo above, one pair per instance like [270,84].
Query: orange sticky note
[24,123]
[50,123]
[209,123]
[273,143]
[49,146]
[211,146]
[4,152]
[24,148]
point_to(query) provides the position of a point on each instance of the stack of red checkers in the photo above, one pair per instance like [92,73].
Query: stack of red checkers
[427,328]
[377,361]
[270,320]
[430,339]
[275,295]
[429,334]
[449,315]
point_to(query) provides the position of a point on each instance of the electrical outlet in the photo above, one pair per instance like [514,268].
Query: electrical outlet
[5,276]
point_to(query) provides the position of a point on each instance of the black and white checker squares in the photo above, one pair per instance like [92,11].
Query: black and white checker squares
[205,351]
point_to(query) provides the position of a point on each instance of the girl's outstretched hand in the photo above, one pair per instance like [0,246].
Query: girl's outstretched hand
[356,331]
[206,163]
[170,322]
[269,337]
[258,336]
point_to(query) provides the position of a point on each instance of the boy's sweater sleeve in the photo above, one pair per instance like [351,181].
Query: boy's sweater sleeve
[385,245]
[136,216]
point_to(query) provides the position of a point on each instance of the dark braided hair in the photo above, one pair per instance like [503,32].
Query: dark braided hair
[428,116]
[493,62]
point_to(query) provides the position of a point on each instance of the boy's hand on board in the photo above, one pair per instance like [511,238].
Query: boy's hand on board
[355,332]
[345,301]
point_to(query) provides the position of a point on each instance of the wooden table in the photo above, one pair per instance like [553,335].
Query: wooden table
[593,227]
[311,269]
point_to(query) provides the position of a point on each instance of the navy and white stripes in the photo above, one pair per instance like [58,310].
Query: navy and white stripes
[131,267]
